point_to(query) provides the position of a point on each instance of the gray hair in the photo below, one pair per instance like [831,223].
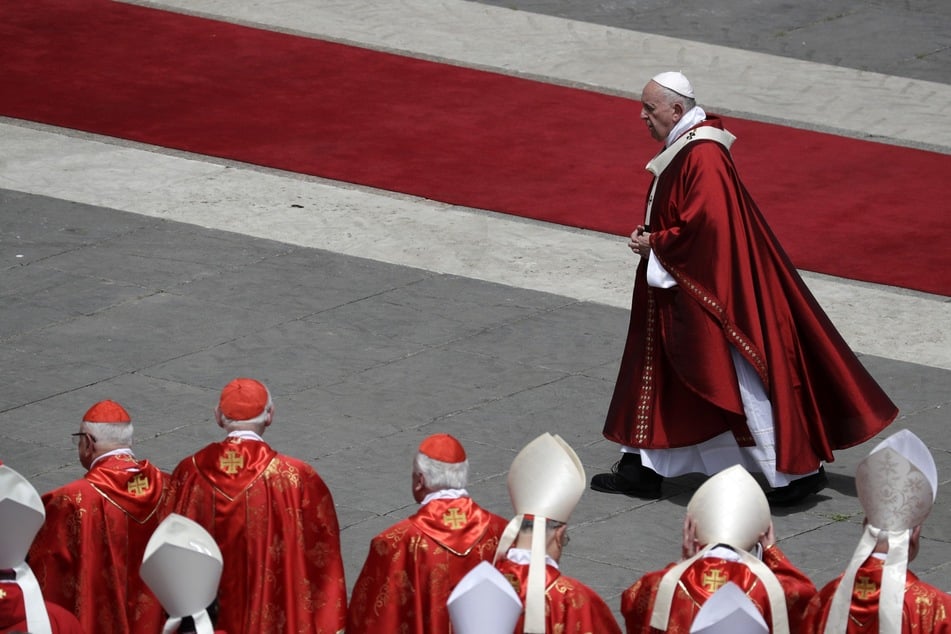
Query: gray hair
[256,424]
[442,475]
[111,434]
[672,97]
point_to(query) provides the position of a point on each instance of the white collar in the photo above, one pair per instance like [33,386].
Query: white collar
[691,118]
[523,556]
[116,452]
[245,434]
[444,494]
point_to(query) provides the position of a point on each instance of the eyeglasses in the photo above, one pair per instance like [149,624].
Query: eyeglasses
[81,434]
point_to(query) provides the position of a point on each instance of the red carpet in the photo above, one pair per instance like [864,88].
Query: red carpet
[467,137]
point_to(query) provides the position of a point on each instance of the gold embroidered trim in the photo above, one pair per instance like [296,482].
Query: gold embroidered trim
[642,415]
[129,515]
[737,338]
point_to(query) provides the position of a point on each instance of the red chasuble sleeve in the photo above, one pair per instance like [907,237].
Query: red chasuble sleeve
[86,556]
[926,608]
[412,567]
[570,606]
[274,520]
[702,579]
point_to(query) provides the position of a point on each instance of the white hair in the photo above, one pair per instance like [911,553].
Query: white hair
[256,424]
[672,97]
[442,475]
[111,434]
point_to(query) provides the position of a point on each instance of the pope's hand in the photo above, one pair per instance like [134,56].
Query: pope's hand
[640,242]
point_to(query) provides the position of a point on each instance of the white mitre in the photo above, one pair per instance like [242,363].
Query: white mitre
[545,481]
[21,517]
[673,80]
[729,611]
[182,566]
[728,509]
[484,602]
[897,484]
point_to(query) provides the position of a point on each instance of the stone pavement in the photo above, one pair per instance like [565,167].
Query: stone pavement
[153,278]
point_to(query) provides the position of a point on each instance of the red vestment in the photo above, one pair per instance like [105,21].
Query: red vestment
[274,520]
[926,609]
[570,606]
[413,566]
[86,556]
[735,287]
[13,613]
[704,577]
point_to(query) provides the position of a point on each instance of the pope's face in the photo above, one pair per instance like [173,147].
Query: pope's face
[659,114]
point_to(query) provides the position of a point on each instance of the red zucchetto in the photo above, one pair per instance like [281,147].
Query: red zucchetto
[444,448]
[243,399]
[107,412]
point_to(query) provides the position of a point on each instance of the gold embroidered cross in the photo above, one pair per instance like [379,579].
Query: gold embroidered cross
[512,579]
[231,462]
[3,594]
[714,579]
[454,519]
[864,587]
[138,486]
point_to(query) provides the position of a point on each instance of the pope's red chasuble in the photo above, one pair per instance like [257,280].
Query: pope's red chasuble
[413,566]
[926,608]
[736,287]
[86,556]
[704,577]
[13,613]
[570,606]
[274,520]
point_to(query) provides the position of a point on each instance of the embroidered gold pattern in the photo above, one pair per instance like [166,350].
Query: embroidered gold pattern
[3,594]
[864,587]
[513,579]
[642,415]
[714,580]
[738,339]
[138,486]
[454,519]
[231,462]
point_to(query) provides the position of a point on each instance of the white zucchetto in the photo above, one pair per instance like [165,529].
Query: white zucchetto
[673,80]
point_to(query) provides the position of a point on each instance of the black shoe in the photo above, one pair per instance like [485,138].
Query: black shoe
[628,477]
[798,490]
